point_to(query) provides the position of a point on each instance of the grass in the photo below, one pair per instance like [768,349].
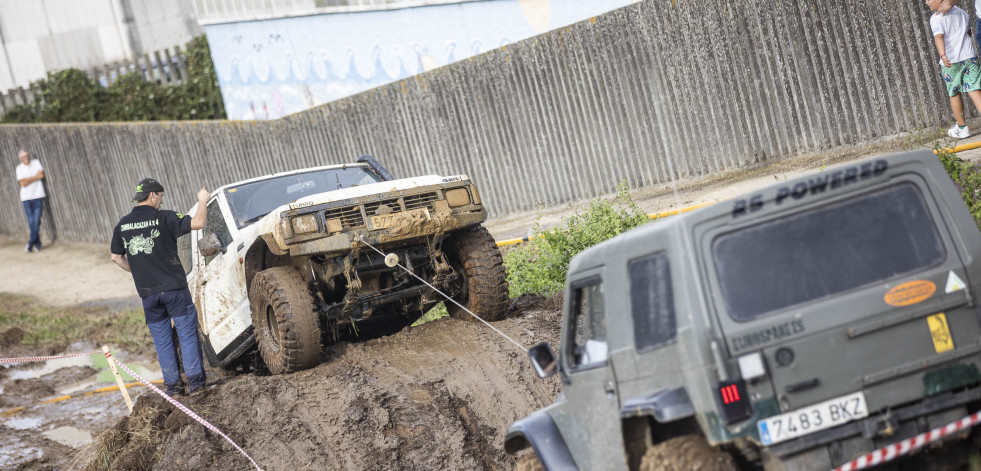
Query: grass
[966,176]
[437,312]
[539,266]
[51,326]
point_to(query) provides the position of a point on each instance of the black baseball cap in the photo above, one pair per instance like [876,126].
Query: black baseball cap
[145,187]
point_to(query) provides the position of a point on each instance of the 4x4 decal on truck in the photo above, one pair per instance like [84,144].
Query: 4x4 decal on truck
[830,180]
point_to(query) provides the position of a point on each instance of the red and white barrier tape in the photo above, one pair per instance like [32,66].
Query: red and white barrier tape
[904,447]
[183,409]
[5,361]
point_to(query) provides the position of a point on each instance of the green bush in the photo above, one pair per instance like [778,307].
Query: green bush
[967,179]
[539,266]
[70,96]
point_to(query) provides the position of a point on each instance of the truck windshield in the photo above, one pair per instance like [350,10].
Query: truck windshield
[825,251]
[249,202]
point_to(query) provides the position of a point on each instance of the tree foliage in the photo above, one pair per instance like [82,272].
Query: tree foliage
[71,96]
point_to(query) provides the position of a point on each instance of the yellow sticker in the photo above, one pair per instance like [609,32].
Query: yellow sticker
[940,333]
[911,292]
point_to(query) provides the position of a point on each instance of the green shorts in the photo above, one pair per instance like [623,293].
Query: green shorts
[964,76]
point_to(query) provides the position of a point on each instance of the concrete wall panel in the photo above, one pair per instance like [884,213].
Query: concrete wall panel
[647,94]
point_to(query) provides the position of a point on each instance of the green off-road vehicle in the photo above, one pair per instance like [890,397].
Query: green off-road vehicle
[795,328]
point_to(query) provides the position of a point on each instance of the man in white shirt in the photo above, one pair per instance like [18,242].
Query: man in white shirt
[29,176]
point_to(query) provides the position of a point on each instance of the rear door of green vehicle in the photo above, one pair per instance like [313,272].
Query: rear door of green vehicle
[857,302]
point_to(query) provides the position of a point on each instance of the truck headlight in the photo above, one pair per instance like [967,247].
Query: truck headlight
[304,224]
[457,197]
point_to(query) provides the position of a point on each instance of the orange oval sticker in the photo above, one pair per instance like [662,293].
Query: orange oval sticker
[910,292]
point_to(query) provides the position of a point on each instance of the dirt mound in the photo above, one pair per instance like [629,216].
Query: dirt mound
[438,396]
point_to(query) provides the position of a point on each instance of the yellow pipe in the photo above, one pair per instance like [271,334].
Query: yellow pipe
[963,147]
[53,400]
[661,214]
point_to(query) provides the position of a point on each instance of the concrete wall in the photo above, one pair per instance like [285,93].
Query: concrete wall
[38,36]
[649,93]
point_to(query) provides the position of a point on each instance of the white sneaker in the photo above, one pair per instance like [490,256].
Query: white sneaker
[28,248]
[958,132]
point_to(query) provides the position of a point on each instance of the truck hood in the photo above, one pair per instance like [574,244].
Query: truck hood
[368,190]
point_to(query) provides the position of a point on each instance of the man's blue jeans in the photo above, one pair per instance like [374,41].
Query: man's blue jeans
[32,208]
[176,306]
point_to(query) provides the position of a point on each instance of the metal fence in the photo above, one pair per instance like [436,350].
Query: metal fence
[646,94]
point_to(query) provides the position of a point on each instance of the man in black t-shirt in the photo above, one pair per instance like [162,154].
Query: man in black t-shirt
[144,243]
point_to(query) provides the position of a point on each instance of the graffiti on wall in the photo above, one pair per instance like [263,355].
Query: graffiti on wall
[271,68]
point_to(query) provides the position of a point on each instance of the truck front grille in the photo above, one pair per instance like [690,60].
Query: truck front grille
[424,200]
[371,209]
[350,216]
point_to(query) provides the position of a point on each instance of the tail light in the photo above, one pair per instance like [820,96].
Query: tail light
[733,400]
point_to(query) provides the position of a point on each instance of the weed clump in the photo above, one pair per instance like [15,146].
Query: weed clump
[966,176]
[539,266]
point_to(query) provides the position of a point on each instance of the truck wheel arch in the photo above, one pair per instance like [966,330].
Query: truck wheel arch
[540,433]
[261,255]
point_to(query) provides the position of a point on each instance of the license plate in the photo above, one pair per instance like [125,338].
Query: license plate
[386,220]
[813,418]
[382,222]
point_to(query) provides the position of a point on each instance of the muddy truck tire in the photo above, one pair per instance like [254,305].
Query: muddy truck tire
[287,329]
[484,292]
[529,462]
[686,453]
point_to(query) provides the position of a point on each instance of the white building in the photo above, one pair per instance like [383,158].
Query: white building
[41,36]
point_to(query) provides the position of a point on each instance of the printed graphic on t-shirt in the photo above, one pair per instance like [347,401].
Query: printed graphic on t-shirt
[140,243]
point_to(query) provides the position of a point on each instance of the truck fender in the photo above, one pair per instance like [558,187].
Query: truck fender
[666,405]
[540,431]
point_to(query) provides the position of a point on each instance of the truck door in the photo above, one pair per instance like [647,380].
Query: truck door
[222,283]
[590,420]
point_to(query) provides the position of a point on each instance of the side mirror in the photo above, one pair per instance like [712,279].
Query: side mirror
[379,168]
[543,360]
[210,245]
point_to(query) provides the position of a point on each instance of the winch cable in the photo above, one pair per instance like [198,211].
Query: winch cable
[361,239]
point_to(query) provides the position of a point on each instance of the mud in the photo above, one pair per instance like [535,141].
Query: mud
[417,224]
[437,396]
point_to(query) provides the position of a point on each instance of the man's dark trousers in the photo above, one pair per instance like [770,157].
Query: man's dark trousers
[32,208]
[177,306]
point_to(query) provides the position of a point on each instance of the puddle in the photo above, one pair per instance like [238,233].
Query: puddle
[18,452]
[69,436]
[40,430]
[23,423]
[51,366]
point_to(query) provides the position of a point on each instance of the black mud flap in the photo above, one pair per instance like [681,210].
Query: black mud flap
[228,356]
[539,431]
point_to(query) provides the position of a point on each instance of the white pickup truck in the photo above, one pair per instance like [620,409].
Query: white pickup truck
[282,268]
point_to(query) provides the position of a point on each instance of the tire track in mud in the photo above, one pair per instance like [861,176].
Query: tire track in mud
[437,396]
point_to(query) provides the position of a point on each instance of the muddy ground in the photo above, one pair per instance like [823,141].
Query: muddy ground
[437,396]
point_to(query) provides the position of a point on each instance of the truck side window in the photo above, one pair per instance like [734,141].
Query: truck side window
[216,225]
[652,301]
[184,252]
[588,325]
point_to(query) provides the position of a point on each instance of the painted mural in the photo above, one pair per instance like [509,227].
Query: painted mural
[271,68]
